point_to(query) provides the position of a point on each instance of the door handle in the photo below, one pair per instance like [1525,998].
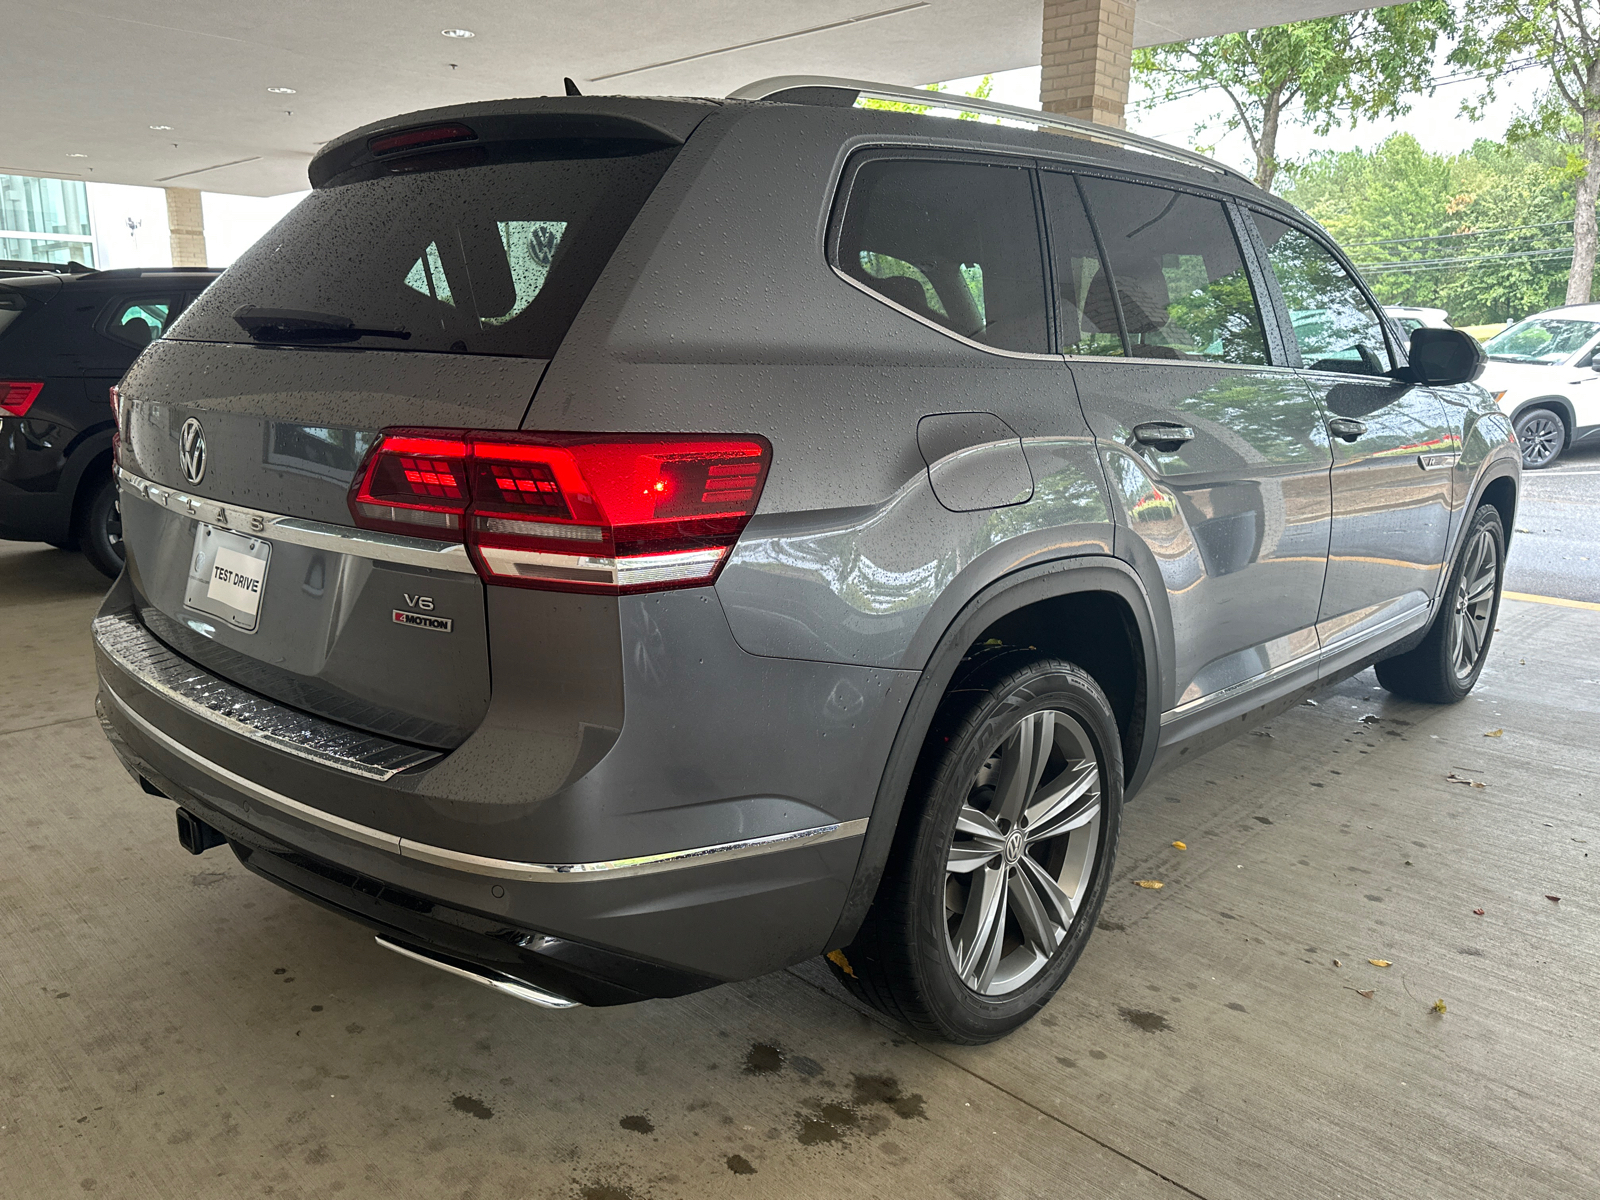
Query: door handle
[1165,436]
[1345,429]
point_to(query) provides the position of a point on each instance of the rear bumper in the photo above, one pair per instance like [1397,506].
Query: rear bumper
[605,928]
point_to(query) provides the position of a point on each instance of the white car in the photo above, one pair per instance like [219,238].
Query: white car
[1409,318]
[1543,374]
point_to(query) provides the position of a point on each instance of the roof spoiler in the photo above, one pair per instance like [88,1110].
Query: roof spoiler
[827,91]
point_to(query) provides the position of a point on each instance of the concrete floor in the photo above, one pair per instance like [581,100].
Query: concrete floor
[175,1027]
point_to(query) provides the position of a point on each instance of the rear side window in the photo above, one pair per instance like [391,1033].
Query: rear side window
[1334,326]
[139,320]
[493,259]
[1178,274]
[956,243]
[1084,307]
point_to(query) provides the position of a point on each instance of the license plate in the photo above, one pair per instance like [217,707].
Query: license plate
[228,576]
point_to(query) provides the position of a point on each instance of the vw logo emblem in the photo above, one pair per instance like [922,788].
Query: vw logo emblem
[192,450]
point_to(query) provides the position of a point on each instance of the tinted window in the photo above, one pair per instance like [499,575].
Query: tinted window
[492,259]
[1334,326]
[955,243]
[139,320]
[1177,271]
[1084,307]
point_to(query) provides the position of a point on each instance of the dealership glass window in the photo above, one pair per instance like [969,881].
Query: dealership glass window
[1334,326]
[956,243]
[45,220]
[1178,274]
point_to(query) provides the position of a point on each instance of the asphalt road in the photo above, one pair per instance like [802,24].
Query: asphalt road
[1556,548]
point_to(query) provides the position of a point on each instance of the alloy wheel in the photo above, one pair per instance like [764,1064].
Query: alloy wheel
[1023,858]
[1540,438]
[1474,603]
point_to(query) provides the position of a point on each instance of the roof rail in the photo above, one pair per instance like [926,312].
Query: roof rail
[843,93]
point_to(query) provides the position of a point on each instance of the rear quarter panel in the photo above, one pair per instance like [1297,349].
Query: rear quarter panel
[720,313]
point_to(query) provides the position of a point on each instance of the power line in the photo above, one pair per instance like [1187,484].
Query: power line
[1439,264]
[1434,237]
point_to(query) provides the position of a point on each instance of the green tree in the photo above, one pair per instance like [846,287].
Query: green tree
[1322,72]
[1563,36]
[1482,235]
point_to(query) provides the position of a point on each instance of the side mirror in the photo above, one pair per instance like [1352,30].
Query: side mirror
[1445,357]
[1594,363]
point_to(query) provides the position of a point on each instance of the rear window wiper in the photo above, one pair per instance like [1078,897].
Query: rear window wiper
[299,325]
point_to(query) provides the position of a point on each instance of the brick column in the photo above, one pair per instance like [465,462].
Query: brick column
[1088,45]
[186,224]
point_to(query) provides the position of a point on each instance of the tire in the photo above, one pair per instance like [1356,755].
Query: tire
[1443,668]
[1541,436]
[948,888]
[99,531]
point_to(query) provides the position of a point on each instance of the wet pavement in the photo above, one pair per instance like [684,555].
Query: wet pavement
[175,1027]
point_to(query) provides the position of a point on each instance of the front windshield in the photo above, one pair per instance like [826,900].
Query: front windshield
[1541,340]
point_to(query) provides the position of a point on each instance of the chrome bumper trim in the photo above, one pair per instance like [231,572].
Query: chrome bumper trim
[158,669]
[499,868]
[318,535]
[484,977]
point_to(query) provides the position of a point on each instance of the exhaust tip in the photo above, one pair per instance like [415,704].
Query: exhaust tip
[483,976]
[194,835]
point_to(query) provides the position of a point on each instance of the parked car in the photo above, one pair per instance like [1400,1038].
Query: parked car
[64,341]
[615,546]
[1409,317]
[1543,373]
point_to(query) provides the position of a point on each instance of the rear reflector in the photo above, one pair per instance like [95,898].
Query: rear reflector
[420,139]
[17,397]
[574,512]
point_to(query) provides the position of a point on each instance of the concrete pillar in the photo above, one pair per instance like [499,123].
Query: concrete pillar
[1088,47]
[186,223]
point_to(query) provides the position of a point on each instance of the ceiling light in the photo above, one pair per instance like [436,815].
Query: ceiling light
[161,127]
[281,91]
[70,154]
[458,33]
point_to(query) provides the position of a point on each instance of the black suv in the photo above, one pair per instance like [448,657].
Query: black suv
[64,341]
[613,546]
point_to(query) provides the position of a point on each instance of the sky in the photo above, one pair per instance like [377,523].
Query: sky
[1435,120]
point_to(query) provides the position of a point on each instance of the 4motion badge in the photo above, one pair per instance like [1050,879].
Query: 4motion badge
[418,614]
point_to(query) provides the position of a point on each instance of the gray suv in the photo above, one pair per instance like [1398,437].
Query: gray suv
[614,546]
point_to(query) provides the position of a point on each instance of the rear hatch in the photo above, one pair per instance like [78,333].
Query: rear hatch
[426,282]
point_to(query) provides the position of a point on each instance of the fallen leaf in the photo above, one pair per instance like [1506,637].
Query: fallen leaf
[1179,846]
[1462,779]
[1438,1007]
[1337,963]
[1149,883]
[1477,912]
[1367,992]
[1557,899]
[1370,719]
[1495,733]
[1380,962]
[1312,703]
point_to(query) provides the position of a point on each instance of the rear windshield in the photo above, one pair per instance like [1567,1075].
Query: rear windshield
[493,259]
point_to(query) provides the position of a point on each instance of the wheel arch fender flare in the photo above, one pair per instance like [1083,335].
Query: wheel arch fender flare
[1045,581]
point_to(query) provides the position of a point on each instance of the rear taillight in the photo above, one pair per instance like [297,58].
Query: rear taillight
[17,396]
[576,512]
